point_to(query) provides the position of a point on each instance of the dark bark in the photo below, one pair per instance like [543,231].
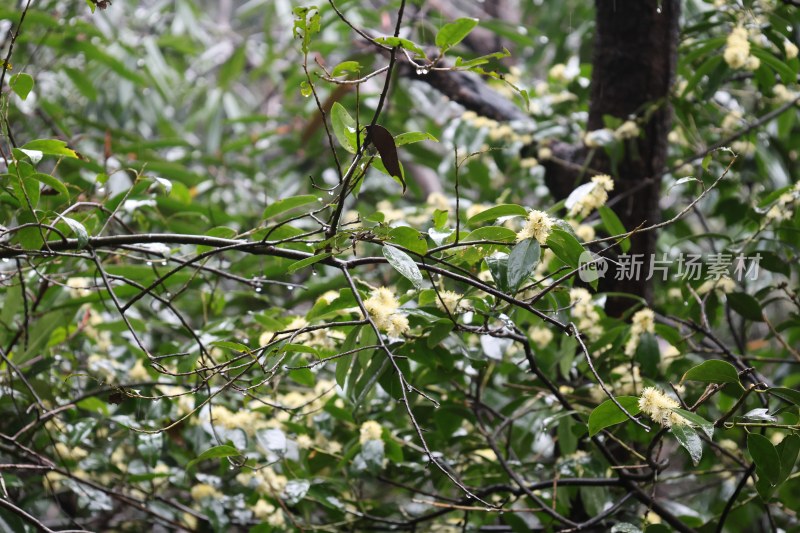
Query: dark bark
[635,50]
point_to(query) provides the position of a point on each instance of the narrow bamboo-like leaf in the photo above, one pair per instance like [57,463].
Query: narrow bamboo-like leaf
[614,226]
[308,261]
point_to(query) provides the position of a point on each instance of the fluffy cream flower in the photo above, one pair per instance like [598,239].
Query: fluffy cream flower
[584,313]
[628,130]
[723,285]
[382,306]
[658,406]
[737,51]
[643,322]
[790,48]
[370,430]
[452,302]
[596,197]
[201,491]
[540,336]
[538,226]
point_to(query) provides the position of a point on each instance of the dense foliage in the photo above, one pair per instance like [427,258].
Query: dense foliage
[259,274]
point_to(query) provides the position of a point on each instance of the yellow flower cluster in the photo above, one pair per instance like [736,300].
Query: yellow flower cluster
[723,285]
[452,302]
[202,491]
[538,226]
[658,406]
[628,130]
[783,209]
[790,48]
[264,480]
[584,313]
[643,322]
[496,130]
[737,51]
[370,430]
[595,198]
[540,336]
[382,306]
[267,512]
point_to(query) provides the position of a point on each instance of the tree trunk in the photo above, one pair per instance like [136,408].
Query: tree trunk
[635,52]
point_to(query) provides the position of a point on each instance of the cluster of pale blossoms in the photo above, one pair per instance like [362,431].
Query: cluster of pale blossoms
[370,430]
[658,406]
[737,51]
[643,322]
[452,302]
[723,285]
[585,313]
[596,197]
[627,130]
[540,336]
[538,226]
[783,209]
[382,307]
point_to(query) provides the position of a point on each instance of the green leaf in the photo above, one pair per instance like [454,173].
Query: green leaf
[453,33]
[788,450]
[234,346]
[82,82]
[403,263]
[789,395]
[690,440]
[344,127]
[346,67]
[409,238]
[414,137]
[566,247]
[51,147]
[498,267]
[482,60]
[52,182]
[782,68]
[491,233]
[608,414]
[286,204]
[232,68]
[746,305]
[648,355]
[614,226]
[493,213]
[79,230]
[694,418]
[216,452]
[22,84]
[765,456]
[308,261]
[522,261]
[404,43]
[713,371]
